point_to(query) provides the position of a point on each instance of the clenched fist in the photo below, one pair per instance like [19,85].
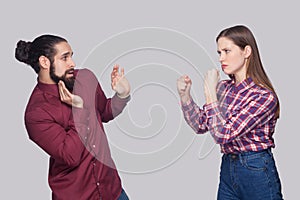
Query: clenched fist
[184,84]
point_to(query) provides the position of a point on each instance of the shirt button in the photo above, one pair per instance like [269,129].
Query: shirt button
[88,128]
[98,183]
[85,137]
[94,146]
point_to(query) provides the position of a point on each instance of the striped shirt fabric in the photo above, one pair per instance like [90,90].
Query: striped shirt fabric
[241,120]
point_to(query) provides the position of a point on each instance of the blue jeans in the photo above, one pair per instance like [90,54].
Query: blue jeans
[249,176]
[123,196]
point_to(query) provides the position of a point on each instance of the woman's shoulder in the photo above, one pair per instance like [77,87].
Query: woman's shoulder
[261,93]
[261,90]
[223,84]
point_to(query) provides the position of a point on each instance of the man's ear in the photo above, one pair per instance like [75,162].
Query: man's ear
[44,62]
[247,51]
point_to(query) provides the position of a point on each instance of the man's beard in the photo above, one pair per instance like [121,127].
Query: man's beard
[69,82]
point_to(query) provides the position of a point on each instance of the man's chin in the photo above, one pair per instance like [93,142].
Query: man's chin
[69,83]
[68,79]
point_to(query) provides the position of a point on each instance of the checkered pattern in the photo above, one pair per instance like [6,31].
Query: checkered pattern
[241,120]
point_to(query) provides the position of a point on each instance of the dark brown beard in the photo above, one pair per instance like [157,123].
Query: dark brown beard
[69,82]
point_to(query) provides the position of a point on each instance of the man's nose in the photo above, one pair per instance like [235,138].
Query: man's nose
[72,63]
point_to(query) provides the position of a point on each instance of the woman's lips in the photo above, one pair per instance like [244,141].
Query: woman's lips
[224,66]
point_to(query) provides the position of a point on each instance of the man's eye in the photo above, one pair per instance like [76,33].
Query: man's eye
[227,51]
[64,58]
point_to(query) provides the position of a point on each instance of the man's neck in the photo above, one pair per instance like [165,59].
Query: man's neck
[45,79]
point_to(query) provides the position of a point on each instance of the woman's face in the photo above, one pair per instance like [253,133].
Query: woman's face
[232,58]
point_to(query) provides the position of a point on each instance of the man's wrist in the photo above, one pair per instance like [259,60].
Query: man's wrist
[123,96]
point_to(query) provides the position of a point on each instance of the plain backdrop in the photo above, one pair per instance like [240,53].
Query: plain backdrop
[24,167]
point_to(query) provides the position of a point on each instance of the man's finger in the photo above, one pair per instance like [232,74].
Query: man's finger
[116,68]
[66,94]
[60,89]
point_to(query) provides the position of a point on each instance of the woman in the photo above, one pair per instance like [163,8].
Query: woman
[241,115]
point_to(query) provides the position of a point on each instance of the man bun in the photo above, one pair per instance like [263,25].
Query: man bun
[22,51]
[30,52]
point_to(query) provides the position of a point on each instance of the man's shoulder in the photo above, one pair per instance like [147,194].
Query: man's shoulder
[84,72]
[41,103]
[85,79]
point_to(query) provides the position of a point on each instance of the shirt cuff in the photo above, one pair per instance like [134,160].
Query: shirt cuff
[118,104]
[119,100]
[188,104]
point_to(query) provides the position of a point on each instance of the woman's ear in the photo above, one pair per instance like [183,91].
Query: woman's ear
[247,51]
[44,62]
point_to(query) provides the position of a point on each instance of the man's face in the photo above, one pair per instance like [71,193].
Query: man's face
[63,66]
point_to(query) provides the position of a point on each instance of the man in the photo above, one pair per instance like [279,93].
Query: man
[64,117]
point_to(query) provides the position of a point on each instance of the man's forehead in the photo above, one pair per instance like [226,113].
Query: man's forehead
[62,48]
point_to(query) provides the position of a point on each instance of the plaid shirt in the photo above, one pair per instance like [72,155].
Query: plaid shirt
[241,120]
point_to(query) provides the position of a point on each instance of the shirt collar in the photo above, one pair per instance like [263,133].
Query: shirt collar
[52,88]
[48,88]
[243,85]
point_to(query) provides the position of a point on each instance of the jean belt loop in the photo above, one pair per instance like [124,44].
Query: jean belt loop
[240,157]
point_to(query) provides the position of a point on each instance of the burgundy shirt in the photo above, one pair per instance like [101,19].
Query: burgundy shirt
[81,166]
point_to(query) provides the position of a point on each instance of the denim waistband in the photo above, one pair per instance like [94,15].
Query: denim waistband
[248,153]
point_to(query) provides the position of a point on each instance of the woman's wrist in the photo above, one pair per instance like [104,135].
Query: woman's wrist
[211,98]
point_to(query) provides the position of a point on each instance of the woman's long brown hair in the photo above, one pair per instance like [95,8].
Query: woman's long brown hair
[242,36]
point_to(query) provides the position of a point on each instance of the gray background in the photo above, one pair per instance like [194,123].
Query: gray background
[24,167]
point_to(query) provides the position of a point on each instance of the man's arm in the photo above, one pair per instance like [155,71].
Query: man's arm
[89,89]
[109,108]
[62,144]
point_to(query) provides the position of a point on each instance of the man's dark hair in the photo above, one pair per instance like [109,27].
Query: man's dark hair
[44,45]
